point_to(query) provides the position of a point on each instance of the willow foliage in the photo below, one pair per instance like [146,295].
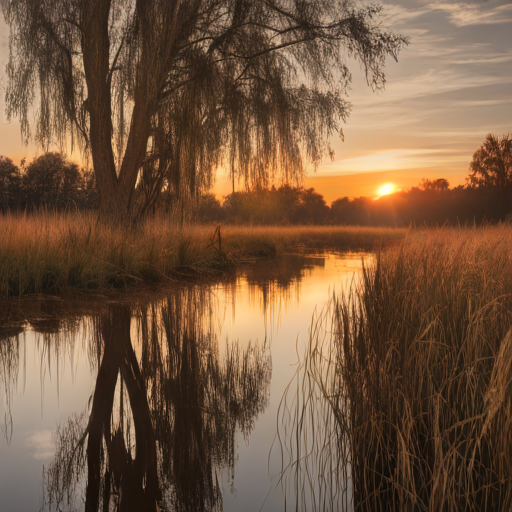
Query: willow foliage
[162,92]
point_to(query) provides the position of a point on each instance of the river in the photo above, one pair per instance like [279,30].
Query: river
[172,398]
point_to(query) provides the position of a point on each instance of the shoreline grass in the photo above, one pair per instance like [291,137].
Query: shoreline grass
[57,253]
[417,376]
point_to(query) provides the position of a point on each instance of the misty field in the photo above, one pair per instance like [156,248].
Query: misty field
[54,253]
[414,371]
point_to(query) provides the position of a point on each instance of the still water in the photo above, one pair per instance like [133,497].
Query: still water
[170,399]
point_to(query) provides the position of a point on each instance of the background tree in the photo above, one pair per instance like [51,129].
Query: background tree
[438,184]
[351,212]
[50,180]
[209,209]
[312,208]
[160,92]
[10,185]
[492,163]
[283,205]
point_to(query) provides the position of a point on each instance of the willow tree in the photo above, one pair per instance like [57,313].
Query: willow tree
[161,92]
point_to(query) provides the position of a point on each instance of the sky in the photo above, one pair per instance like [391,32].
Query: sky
[450,87]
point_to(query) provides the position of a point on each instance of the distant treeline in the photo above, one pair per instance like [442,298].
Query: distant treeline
[49,181]
[420,205]
[487,196]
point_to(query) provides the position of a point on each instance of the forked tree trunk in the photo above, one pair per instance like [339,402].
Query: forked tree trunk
[115,191]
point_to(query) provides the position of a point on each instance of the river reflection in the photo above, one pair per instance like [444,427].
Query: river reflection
[163,414]
[151,404]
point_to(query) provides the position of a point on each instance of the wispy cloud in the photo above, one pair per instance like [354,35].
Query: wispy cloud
[462,14]
[459,14]
[393,159]
[429,86]
[398,14]
[490,59]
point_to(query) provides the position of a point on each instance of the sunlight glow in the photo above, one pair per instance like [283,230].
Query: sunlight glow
[386,189]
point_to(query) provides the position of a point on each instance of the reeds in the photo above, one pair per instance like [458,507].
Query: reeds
[418,376]
[51,253]
[252,239]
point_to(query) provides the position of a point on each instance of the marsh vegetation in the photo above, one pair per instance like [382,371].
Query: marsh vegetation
[58,253]
[412,370]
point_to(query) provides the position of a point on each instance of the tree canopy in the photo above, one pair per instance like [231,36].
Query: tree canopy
[438,184]
[160,92]
[50,180]
[492,163]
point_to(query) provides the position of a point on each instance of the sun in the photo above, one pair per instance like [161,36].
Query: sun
[386,189]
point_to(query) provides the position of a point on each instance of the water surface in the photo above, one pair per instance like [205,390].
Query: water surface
[170,399]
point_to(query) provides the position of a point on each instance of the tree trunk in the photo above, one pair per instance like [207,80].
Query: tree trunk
[99,419]
[114,198]
[114,205]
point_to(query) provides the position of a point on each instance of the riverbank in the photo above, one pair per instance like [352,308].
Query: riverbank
[58,253]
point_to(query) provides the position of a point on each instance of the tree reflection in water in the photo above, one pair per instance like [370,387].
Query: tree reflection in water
[55,334]
[164,413]
[160,427]
[9,364]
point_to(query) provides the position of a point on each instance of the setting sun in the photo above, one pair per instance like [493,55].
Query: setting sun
[386,189]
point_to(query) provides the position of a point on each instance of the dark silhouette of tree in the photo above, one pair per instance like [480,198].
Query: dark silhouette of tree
[158,92]
[439,184]
[48,181]
[51,181]
[261,206]
[283,205]
[492,163]
[209,209]
[10,185]
[312,208]
[350,212]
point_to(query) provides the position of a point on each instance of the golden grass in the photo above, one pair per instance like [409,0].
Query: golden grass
[51,253]
[417,376]
[247,239]
[54,252]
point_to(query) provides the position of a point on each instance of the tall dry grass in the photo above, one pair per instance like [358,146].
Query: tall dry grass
[250,239]
[50,252]
[417,378]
